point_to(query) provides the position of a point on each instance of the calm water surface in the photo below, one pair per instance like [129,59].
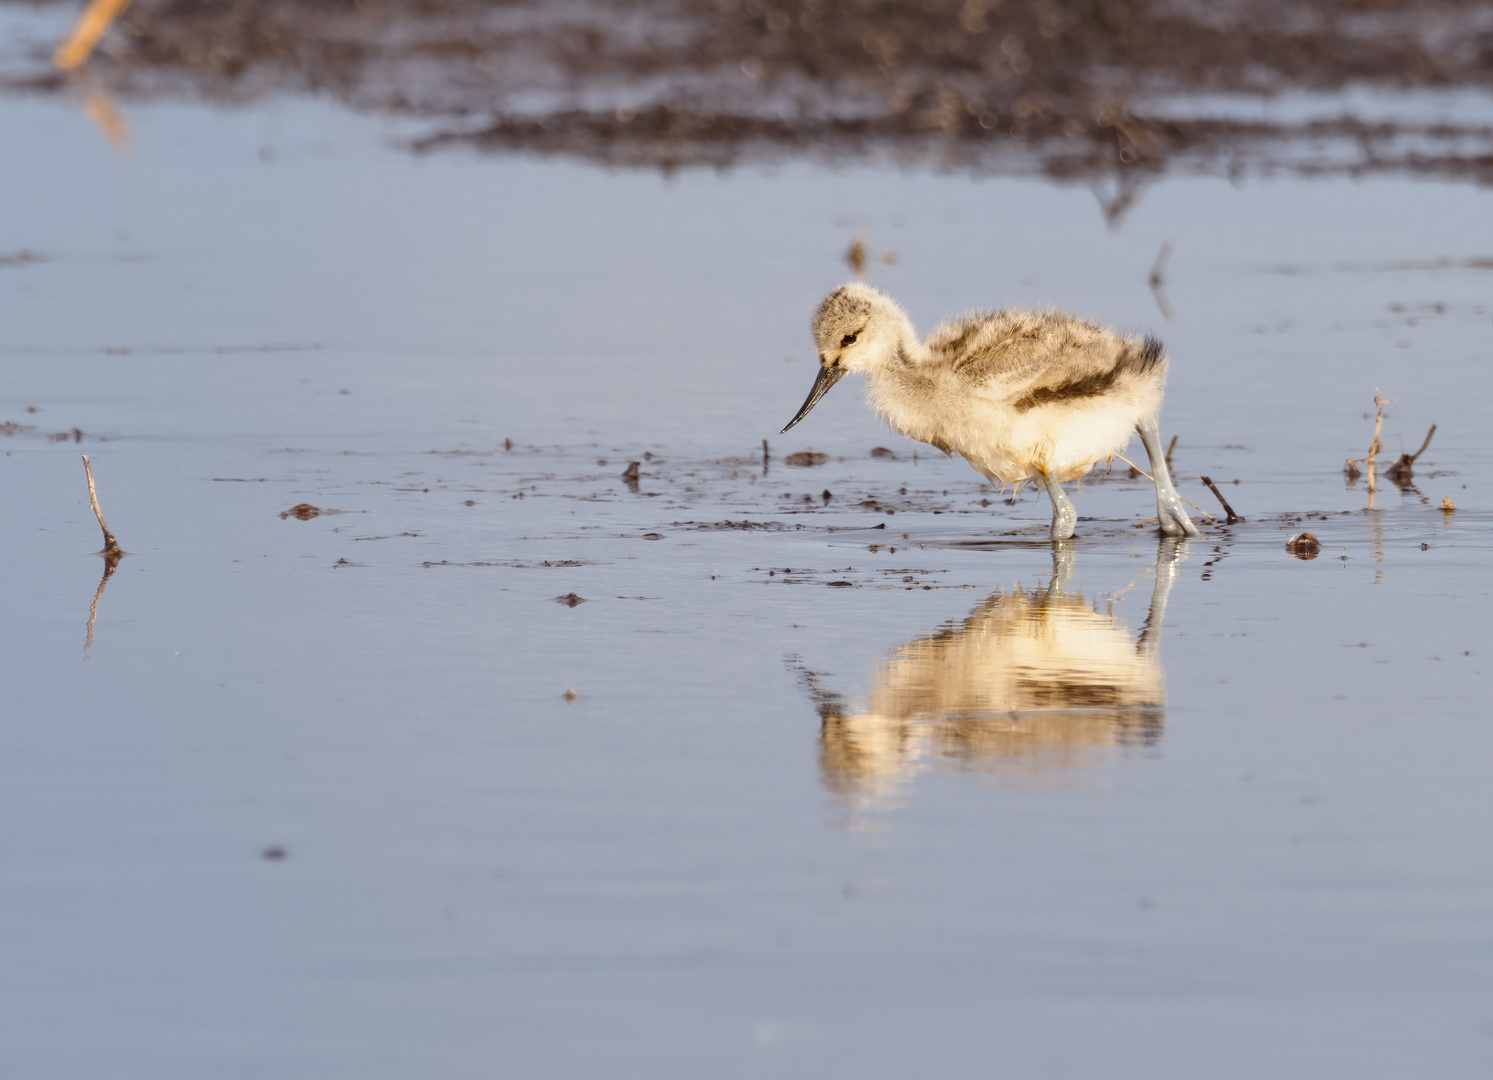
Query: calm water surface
[867,787]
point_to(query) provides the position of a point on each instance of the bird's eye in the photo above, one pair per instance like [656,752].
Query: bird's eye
[848,339]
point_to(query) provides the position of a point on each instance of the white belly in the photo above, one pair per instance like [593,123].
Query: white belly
[1064,440]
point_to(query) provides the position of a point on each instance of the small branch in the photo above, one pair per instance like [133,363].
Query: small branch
[1350,467]
[1423,445]
[1227,509]
[1375,447]
[1403,469]
[91,26]
[1169,448]
[112,550]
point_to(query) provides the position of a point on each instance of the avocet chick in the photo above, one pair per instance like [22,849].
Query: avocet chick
[1020,395]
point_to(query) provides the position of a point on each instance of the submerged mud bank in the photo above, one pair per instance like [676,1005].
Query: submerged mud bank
[1068,88]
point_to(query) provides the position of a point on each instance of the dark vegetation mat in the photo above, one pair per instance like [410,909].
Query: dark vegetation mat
[1065,87]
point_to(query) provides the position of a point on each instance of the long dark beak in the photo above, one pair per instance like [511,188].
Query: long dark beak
[826,378]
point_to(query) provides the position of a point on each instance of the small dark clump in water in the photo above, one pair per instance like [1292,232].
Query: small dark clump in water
[570,600]
[1303,546]
[301,512]
[855,258]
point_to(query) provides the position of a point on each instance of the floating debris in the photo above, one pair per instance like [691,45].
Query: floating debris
[855,258]
[112,550]
[570,600]
[1350,467]
[1403,471]
[1303,546]
[1232,518]
[806,458]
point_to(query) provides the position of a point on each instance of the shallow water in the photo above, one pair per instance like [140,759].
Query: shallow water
[868,786]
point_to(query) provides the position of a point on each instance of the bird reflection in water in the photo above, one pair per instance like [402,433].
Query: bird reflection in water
[1030,685]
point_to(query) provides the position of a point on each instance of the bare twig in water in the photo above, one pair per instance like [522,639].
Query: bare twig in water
[1168,455]
[1403,468]
[112,553]
[111,545]
[1350,467]
[1227,509]
[1155,280]
[1151,478]
[90,28]
[764,457]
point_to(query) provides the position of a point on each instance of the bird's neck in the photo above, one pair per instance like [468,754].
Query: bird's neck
[904,349]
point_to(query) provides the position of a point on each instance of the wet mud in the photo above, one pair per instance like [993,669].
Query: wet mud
[1067,88]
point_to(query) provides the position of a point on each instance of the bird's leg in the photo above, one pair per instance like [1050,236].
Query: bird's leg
[1062,569]
[1064,516]
[1174,519]
[1168,566]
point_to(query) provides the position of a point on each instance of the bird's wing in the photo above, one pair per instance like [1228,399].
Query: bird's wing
[1033,350]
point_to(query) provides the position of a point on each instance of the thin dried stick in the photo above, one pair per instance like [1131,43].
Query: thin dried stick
[111,545]
[90,28]
[1227,509]
[1151,478]
[1403,470]
[1375,446]
[1351,465]
[1423,445]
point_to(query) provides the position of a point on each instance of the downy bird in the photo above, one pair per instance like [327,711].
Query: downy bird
[1021,395]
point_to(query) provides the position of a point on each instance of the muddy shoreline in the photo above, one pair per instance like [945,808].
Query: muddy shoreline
[1064,88]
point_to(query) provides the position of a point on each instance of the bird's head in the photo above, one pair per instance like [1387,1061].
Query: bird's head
[856,328]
